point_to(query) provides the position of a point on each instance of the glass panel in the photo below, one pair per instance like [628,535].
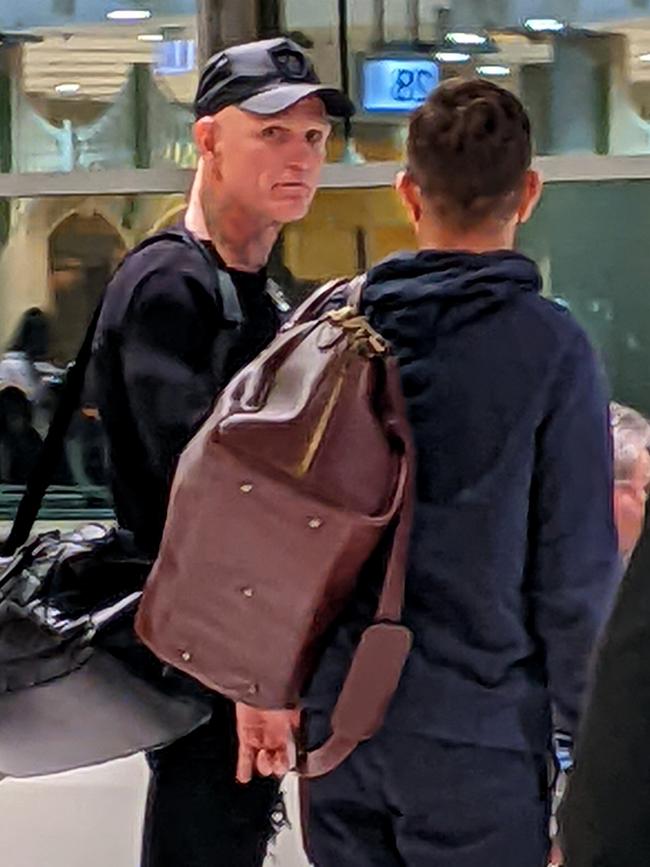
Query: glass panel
[81,91]
[581,66]
[603,274]
[58,253]
[56,256]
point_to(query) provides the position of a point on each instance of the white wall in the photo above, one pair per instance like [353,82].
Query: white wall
[93,818]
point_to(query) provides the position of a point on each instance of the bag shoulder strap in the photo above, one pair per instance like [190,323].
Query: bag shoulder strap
[327,297]
[224,286]
[50,453]
[391,600]
[367,691]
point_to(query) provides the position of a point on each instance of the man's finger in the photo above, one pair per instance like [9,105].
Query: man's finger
[273,763]
[245,764]
[264,763]
[280,763]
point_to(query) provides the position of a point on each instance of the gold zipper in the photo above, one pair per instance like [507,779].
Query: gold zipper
[321,425]
[362,339]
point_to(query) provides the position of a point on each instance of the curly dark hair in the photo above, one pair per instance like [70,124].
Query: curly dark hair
[469,148]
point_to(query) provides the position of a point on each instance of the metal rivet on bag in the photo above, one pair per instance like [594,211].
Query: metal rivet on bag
[315,524]
[186,656]
[253,689]
[246,489]
[248,592]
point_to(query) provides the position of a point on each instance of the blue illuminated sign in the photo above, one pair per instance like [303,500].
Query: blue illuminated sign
[176,57]
[397,84]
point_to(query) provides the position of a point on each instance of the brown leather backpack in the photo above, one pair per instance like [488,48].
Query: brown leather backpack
[303,467]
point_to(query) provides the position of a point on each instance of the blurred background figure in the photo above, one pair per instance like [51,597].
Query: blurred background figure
[27,347]
[631,434]
[32,336]
[19,440]
[605,816]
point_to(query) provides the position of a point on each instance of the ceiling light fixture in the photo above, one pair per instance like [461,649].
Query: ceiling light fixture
[151,37]
[463,38]
[544,25]
[497,71]
[129,15]
[451,57]
[67,89]
[644,58]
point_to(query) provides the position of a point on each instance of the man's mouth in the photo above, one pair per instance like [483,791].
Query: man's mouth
[292,186]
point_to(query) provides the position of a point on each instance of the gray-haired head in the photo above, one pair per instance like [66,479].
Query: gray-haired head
[631,434]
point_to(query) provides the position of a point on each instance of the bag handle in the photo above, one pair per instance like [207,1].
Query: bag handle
[317,303]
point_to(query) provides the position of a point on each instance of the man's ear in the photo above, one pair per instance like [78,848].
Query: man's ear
[410,194]
[206,137]
[533,187]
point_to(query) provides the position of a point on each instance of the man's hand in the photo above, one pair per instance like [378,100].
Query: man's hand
[556,859]
[265,739]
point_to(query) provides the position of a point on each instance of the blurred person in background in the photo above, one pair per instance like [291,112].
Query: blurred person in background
[605,814]
[20,443]
[631,432]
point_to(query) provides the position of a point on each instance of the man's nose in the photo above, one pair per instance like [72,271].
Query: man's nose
[302,156]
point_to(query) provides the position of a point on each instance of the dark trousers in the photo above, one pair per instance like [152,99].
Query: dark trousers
[197,814]
[415,802]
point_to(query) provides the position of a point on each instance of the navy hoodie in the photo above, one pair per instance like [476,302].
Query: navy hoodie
[513,561]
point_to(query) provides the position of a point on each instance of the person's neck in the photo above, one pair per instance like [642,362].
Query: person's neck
[434,236]
[243,241]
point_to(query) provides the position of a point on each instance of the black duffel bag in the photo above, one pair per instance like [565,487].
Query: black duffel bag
[77,688]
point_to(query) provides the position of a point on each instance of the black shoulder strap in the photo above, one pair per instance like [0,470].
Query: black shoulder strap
[231,307]
[46,464]
[40,478]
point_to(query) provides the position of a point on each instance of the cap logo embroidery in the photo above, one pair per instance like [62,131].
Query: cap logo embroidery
[290,64]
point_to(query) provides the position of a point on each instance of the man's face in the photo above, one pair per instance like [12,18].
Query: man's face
[630,498]
[267,166]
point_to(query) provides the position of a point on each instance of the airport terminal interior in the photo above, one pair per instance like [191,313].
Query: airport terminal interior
[96,154]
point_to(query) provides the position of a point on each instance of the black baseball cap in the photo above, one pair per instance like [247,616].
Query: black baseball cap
[264,78]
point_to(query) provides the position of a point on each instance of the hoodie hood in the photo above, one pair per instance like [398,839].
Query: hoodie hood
[410,296]
[407,278]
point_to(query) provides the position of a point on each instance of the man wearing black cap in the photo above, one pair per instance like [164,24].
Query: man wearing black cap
[185,311]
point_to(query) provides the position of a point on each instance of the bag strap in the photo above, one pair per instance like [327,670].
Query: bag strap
[366,694]
[391,600]
[41,475]
[46,464]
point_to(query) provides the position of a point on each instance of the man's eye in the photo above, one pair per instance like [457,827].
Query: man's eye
[315,136]
[271,132]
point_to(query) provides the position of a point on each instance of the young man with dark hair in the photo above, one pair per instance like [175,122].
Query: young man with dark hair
[513,559]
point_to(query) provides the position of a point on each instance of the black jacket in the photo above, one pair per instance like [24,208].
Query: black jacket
[513,558]
[605,817]
[164,347]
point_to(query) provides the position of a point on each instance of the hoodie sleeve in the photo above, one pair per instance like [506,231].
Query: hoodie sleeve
[575,566]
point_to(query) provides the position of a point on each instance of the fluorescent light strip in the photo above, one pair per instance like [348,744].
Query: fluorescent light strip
[129,15]
[544,25]
[466,38]
[451,57]
[496,71]
[151,37]
[67,89]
